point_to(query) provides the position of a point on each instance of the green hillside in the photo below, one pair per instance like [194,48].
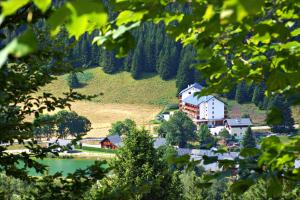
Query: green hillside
[120,88]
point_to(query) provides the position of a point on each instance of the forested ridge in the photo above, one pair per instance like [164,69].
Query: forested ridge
[155,52]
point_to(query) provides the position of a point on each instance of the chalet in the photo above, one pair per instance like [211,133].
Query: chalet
[237,127]
[111,142]
[190,90]
[204,110]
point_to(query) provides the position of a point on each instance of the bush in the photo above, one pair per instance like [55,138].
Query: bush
[171,106]
[102,150]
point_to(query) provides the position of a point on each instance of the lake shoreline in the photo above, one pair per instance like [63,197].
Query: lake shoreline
[82,154]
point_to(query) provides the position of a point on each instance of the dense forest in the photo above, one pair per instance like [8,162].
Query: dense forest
[155,52]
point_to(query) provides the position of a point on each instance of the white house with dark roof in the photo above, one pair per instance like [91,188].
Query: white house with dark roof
[190,90]
[204,109]
[238,126]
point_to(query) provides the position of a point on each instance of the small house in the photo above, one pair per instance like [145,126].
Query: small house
[111,142]
[62,143]
[237,127]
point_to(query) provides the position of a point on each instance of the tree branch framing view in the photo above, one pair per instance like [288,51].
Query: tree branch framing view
[213,59]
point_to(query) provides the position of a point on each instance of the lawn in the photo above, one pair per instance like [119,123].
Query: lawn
[96,150]
[236,110]
[120,88]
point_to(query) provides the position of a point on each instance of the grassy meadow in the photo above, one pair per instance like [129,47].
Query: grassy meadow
[123,97]
[120,88]
[140,100]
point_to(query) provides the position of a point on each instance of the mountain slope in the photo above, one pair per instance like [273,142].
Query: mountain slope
[120,88]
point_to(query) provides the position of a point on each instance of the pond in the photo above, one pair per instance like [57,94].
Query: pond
[63,165]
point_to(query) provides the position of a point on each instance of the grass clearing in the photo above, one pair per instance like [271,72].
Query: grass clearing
[119,88]
[95,150]
[236,110]
[124,97]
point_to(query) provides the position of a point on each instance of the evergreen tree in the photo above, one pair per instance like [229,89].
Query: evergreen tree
[149,48]
[205,137]
[164,68]
[137,63]
[257,191]
[284,122]
[250,92]
[224,133]
[140,164]
[241,95]
[159,42]
[167,62]
[266,102]
[258,95]
[185,73]
[73,80]
[248,139]
[127,61]
[109,62]
[231,94]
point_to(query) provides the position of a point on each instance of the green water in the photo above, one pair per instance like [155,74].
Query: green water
[63,165]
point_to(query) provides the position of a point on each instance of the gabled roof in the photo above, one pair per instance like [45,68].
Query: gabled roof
[195,85]
[159,142]
[115,139]
[195,100]
[195,153]
[60,142]
[239,122]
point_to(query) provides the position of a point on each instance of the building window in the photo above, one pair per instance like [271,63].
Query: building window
[213,103]
[189,92]
[213,117]
[213,107]
[213,112]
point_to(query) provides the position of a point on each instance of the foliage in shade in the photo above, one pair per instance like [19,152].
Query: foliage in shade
[141,171]
[70,123]
[282,122]
[241,95]
[248,140]
[122,127]
[185,74]
[258,95]
[73,80]
[178,130]
[44,126]
[205,137]
[224,133]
